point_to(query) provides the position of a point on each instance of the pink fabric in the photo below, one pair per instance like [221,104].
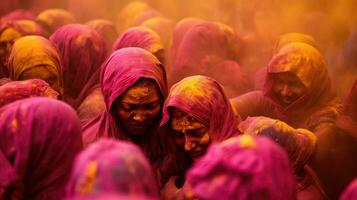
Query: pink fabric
[82,50]
[39,138]
[204,99]
[18,14]
[351,191]
[242,168]
[139,36]
[106,29]
[16,90]
[115,167]
[180,30]
[120,71]
[210,49]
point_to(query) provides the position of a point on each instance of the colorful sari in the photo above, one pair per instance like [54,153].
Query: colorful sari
[39,139]
[32,51]
[16,90]
[351,191]
[119,72]
[243,168]
[82,50]
[112,167]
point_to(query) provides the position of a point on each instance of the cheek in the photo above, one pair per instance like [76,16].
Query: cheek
[298,92]
[154,112]
[123,115]
[205,140]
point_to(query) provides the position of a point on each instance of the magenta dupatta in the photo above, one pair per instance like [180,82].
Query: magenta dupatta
[242,168]
[119,72]
[39,139]
[114,167]
[204,99]
[82,50]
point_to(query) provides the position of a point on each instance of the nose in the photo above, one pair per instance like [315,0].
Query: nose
[139,116]
[285,91]
[189,144]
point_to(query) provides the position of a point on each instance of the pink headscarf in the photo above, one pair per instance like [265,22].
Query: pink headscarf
[351,191]
[115,167]
[139,36]
[210,49]
[242,168]
[39,139]
[82,50]
[204,99]
[16,90]
[18,14]
[106,29]
[119,72]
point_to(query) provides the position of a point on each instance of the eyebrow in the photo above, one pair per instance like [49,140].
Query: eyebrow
[155,101]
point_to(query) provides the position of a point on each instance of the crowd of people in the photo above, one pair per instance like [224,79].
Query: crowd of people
[156,108]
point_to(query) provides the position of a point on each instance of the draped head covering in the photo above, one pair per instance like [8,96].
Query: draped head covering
[298,143]
[162,26]
[39,139]
[180,30]
[119,72]
[22,27]
[204,99]
[16,90]
[289,38]
[134,13]
[53,19]
[115,167]
[32,51]
[139,36]
[10,31]
[351,191]
[82,50]
[308,65]
[106,29]
[210,49]
[243,167]
[18,14]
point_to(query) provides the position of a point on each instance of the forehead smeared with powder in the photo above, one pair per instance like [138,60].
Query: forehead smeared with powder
[182,121]
[143,90]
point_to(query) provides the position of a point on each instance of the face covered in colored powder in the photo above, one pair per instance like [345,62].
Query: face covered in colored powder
[190,133]
[139,107]
[287,88]
[42,72]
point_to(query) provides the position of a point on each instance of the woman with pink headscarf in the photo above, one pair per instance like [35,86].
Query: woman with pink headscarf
[39,139]
[141,37]
[112,167]
[82,51]
[198,113]
[244,168]
[133,83]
